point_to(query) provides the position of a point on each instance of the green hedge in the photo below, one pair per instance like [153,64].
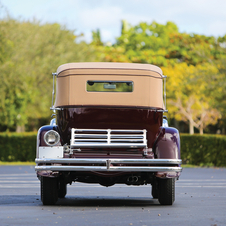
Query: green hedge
[201,150]
[17,147]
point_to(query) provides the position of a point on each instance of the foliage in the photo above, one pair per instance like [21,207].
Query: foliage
[33,52]
[216,87]
[194,64]
[96,38]
[164,45]
[17,146]
[30,51]
[186,89]
[203,150]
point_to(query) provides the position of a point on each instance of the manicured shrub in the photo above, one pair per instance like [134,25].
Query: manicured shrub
[201,150]
[17,147]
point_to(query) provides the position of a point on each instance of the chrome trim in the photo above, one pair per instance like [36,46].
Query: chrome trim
[112,168]
[161,110]
[108,165]
[53,93]
[164,94]
[165,123]
[102,161]
[53,122]
[54,109]
[108,138]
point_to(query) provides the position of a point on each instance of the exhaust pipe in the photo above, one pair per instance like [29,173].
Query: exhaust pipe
[132,179]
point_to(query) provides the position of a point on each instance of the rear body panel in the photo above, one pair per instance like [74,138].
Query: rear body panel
[109,118]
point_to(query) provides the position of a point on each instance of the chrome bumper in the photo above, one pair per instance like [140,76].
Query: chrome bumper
[137,165]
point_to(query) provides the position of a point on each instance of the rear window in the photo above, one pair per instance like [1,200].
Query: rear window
[109,86]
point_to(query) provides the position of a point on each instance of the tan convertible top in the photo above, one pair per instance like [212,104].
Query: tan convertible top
[72,79]
[112,68]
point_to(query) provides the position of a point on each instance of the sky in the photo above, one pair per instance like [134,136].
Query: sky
[205,17]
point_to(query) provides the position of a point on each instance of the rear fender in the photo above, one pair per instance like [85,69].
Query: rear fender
[167,144]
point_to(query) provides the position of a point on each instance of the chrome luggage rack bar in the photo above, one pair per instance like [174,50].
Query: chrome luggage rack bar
[108,138]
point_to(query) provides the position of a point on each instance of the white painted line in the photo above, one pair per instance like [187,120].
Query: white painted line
[199,180]
[201,186]
[14,181]
[16,186]
[18,175]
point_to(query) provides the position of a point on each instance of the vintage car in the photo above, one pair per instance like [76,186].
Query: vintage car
[108,129]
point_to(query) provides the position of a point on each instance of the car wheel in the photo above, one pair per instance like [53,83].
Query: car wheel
[154,190]
[166,189]
[49,190]
[62,191]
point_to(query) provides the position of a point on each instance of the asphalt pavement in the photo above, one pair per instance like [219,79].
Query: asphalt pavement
[200,200]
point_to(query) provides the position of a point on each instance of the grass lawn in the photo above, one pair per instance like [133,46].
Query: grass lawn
[17,163]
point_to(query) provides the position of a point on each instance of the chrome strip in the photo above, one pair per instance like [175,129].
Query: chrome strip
[103,161]
[160,110]
[164,81]
[53,93]
[107,165]
[111,168]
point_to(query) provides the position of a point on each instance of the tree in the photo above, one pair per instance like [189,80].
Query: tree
[164,45]
[34,52]
[190,61]
[96,38]
[187,95]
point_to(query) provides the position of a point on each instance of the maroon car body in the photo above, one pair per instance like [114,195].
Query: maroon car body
[109,129]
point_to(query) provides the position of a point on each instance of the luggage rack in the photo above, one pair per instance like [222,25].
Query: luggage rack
[108,138]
